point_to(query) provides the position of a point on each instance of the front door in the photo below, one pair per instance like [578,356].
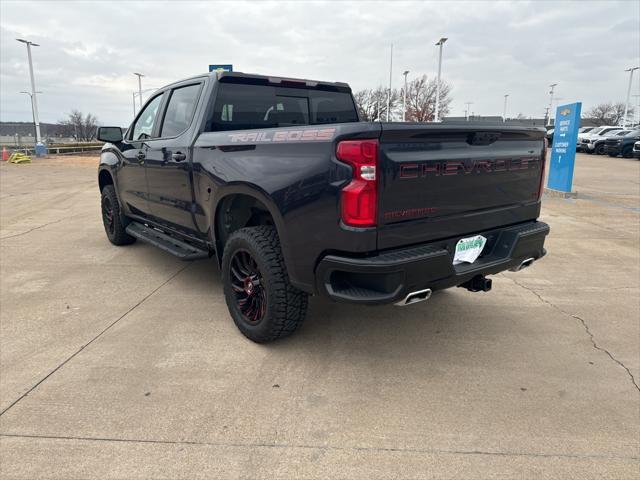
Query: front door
[132,180]
[168,161]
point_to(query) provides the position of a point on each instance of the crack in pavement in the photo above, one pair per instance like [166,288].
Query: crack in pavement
[584,325]
[37,228]
[323,447]
[94,338]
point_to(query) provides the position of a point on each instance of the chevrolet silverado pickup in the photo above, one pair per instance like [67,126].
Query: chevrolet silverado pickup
[295,196]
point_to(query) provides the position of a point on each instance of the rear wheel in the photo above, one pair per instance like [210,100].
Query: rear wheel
[627,152]
[261,300]
[112,218]
[613,155]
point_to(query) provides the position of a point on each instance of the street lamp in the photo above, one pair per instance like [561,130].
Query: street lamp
[134,94]
[626,103]
[34,101]
[390,77]
[404,100]
[139,86]
[440,43]
[32,109]
[553,86]
[504,114]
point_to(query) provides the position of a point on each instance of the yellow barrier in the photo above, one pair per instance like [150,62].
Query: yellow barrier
[17,157]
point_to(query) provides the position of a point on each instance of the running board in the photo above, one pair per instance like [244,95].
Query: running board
[182,250]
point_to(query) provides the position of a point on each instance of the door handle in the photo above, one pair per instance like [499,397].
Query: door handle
[178,157]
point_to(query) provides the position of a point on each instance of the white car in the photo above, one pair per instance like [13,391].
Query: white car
[582,131]
[636,150]
[588,141]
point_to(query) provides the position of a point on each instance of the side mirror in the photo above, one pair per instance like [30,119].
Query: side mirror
[110,134]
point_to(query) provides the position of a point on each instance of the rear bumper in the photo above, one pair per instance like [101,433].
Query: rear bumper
[391,275]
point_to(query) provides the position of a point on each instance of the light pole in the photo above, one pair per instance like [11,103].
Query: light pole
[504,114]
[626,103]
[440,44]
[33,113]
[404,100]
[138,94]
[466,112]
[34,100]
[139,86]
[553,86]
[390,76]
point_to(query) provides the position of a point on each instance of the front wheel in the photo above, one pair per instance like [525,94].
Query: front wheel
[112,218]
[600,150]
[261,300]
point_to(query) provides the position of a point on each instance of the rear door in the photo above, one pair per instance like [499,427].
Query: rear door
[168,160]
[441,181]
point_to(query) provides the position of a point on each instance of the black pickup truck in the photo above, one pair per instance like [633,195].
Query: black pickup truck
[295,196]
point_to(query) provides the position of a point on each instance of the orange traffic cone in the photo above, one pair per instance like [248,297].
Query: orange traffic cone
[5,154]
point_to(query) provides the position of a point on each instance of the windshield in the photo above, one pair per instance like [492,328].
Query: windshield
[585,129]
[595,131]
[633,133]
[609,131]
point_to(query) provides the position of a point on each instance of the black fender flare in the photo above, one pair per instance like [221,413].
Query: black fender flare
[254,191]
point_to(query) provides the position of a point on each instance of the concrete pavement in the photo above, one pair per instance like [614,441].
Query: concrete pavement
[124,363]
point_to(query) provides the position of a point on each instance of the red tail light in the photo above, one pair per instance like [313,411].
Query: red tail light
[543,165]
[360,196]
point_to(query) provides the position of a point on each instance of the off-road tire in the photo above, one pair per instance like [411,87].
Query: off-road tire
[599,150]
[114,228]
[286,306]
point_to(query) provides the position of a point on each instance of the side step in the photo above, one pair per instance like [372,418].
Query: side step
[182,250]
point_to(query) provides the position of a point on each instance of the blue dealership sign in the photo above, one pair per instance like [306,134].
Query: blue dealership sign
[563,151]
[221,68]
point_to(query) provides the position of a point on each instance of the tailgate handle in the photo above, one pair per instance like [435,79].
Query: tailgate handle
[483,138]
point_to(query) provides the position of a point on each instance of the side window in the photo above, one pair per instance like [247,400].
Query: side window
[143,127]
[180,110]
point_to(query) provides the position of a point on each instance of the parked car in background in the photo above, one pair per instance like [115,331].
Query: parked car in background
[582,131]
[589,140]
[621,144]
[549,136]
[599,144]
[636,150]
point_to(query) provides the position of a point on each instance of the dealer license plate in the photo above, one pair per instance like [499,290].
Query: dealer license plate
[468,249]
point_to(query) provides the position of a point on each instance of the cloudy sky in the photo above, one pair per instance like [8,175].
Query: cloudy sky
[90,49]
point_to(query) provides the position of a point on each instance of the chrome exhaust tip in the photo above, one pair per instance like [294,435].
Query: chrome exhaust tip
[524,264]
[415,297]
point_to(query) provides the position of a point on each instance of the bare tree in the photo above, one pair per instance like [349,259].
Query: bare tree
[372,103]
[421,99]
[607,113]
[82,127]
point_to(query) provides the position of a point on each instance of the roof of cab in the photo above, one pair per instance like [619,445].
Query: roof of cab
[264,79]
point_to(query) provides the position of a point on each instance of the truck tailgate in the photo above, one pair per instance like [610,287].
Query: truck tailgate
[440,181]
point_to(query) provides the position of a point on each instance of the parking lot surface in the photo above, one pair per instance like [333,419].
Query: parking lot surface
[122,362]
